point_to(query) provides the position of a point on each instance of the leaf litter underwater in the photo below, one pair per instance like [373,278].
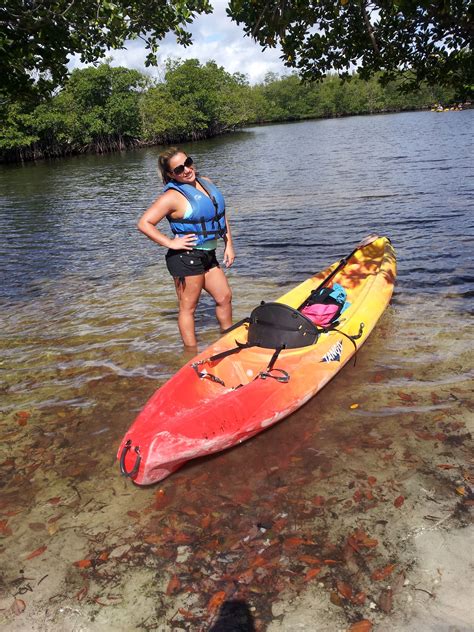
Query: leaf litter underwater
[320,517]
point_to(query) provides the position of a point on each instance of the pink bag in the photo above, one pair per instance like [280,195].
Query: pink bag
[320,313]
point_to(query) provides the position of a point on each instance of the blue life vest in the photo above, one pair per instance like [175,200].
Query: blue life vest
[207,219]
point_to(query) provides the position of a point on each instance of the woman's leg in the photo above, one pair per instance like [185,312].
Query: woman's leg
[215,283]
[188,292]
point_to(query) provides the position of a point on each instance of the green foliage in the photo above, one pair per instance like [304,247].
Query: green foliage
[287,98]
[162,118]
[104,102]
[37,37]
[196,101]
[16,130]
[431,39]
[98,107]
[105,108]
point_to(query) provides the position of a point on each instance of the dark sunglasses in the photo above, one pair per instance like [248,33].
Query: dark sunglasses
[177,171]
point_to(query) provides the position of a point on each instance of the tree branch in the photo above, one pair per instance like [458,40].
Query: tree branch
[257,24]
[370,29]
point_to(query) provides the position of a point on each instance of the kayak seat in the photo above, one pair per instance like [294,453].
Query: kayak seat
[276,326]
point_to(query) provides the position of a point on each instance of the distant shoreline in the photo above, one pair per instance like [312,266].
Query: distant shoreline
[34,154]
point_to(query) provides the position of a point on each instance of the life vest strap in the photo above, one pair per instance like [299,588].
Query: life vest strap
[194,221]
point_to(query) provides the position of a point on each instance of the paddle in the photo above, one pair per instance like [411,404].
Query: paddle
[365,242]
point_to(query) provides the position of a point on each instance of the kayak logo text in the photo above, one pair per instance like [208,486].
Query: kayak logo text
[334,353]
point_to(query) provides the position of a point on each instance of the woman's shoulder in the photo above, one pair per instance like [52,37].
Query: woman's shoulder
[170,186]
[169,202]
[206,179]
[171,198]
[169,193]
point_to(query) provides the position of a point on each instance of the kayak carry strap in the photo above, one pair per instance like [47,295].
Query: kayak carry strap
[123,470]
[218,356]
[284,377]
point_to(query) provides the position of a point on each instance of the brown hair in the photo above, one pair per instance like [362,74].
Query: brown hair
[164,162]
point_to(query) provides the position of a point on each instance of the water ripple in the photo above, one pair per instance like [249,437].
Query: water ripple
[86,298]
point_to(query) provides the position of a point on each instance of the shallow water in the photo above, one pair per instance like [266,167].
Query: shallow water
[90,332]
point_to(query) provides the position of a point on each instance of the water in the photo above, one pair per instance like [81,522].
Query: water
[298,194]
[90,331]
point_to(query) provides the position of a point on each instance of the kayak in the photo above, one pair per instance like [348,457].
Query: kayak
[260,371]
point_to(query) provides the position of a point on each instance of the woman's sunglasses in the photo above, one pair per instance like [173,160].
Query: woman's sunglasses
[177,171]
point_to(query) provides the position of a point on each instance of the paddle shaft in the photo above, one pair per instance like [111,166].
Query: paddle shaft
[365,242]
[368,240]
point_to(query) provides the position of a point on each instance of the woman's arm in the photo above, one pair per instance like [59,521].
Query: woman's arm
[229,254]
[162,207]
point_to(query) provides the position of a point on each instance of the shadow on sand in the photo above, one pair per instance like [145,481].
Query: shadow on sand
[234,616]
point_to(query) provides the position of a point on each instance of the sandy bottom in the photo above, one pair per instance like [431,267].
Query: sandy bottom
[353,514]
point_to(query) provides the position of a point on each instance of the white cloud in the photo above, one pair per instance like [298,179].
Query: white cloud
[215,37]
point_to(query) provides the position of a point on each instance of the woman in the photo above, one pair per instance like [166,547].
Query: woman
[195,209]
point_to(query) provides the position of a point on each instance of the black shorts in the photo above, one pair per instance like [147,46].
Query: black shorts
[183,263]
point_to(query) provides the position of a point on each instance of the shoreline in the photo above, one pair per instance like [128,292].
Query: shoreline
[137,144]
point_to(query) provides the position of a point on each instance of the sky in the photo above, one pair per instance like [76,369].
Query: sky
[215,37]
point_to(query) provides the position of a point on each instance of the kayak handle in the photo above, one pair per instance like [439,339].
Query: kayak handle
[284,377]
[123,470]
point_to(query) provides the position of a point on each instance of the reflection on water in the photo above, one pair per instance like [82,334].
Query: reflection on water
[322,499]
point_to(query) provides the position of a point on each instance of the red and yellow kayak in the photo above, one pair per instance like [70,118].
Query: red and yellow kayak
[214,403]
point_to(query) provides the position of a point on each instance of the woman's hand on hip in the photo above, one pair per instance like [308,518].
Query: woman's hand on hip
[183,243]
